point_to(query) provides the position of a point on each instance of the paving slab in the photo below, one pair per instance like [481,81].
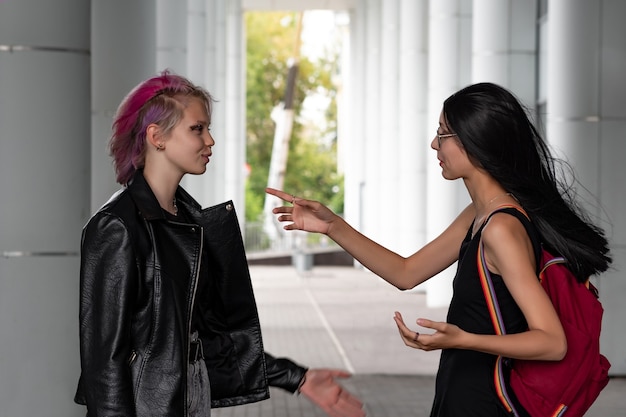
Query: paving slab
[341,317]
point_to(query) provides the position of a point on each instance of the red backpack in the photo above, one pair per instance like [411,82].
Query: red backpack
[555,388]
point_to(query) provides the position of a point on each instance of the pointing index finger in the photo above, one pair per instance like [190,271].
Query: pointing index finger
[278,193]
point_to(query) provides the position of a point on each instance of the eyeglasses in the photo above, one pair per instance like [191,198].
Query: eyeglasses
[444,136]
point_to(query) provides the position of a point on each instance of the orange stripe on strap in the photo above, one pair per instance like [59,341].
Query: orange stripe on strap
[560,411]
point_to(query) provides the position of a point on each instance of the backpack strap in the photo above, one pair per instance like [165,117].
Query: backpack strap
[496,316]
[498,325]
[485,277]
[553,261]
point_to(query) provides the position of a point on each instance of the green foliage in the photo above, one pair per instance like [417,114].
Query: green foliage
[254,203]
[312,166]
[317,177]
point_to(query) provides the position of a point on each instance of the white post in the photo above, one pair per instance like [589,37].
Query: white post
[44,178]
[586,124]
[449,45]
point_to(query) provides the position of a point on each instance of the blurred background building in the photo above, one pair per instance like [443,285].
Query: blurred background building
[66,64]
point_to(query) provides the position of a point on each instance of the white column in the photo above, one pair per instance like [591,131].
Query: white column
[387,140]
[44,181]
[224,78]
[351,145]
[123,53]
[351,118]
[197,31]
[504,45]
[371,139]
[171,21]
[196,40]
[413,125]
[385,169]
[449,46]
[586,124]
[212,184]
[205,40]
[574,36]
[234,104]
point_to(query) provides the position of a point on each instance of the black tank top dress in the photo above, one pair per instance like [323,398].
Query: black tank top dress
[464,385]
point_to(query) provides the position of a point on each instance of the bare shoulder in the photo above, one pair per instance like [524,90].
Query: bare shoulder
[508,247]
[504,229]
[503,223]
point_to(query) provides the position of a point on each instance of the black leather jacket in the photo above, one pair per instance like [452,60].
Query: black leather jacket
[139,275]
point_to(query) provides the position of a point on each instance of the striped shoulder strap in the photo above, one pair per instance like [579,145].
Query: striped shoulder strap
[496,317]
[498,325]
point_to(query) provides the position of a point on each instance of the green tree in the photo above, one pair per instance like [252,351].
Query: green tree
[312,162]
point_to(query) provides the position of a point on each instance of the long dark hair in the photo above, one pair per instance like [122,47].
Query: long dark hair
[498,136]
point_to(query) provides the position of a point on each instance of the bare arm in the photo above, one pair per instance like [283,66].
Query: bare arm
[399,271]
[509,253]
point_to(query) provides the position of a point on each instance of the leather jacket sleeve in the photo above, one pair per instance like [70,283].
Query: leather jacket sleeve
[284,373]
[108,278]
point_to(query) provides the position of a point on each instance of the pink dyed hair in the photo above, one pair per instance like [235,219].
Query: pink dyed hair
[157,100]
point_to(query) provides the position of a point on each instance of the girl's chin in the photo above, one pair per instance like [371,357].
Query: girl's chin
[198,171]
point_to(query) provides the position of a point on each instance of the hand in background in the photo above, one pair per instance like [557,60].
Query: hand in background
[307,215]
[323,390]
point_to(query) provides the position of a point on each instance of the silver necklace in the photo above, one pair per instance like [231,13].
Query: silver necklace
[490,201]
[175,207]
[478,221]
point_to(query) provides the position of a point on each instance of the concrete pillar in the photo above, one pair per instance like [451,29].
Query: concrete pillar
[196,40]
[233,107]
[449,46]
[219,40]
[504,45]
[171,21]
[371,139]
[387,136]
[123,53]
[44,178]
[586,125]
[203,34]
[387,88]
[193,35]
[351,145]
[413,127]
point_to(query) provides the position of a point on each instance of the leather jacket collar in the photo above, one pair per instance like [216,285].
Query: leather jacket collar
[147,203]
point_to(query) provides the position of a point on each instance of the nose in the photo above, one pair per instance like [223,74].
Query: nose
[434,144]
[208,140]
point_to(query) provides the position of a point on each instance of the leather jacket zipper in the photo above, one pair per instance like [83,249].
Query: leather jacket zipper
[133,356]
[195,287]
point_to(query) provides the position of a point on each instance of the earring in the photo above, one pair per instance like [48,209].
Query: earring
[159,147]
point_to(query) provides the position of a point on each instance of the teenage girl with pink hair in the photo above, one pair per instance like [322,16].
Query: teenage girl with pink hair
[168,321]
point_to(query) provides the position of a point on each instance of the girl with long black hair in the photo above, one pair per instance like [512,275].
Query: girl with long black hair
[486,139]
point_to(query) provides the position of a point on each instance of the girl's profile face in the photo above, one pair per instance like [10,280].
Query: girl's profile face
[188,146]
[452,157]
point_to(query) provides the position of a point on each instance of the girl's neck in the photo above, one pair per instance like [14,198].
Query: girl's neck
[163,187]
[486,196]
